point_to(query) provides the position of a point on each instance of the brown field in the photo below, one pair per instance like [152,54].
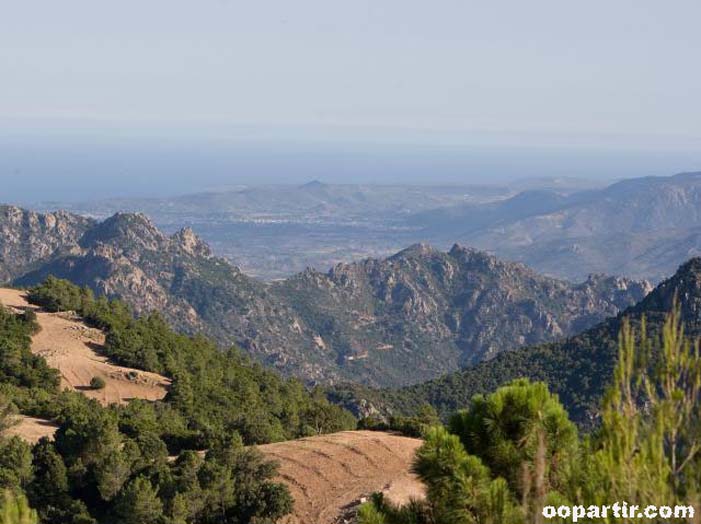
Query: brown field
[73,348]
[330,473]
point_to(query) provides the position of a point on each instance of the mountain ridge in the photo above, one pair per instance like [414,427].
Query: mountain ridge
[400,320]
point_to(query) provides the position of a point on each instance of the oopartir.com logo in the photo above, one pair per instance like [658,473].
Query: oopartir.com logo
[618,510]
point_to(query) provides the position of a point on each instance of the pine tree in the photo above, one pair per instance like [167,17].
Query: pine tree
[14,509]
[647,449]
[139,503]
[7,414]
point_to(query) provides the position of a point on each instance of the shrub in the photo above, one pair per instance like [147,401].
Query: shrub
[97,383]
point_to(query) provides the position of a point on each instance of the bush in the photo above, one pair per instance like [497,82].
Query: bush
[97,383]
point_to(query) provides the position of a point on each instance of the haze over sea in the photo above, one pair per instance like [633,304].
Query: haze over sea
[38,167]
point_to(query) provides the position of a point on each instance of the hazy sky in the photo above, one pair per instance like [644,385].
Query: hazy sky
[609,75]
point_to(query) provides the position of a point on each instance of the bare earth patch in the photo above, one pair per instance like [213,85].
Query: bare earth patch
[330,473]
[73,348]
[31,429]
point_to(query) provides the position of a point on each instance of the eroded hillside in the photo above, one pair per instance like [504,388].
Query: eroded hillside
[578,369]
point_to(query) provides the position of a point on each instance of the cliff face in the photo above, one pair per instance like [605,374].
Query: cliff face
[393,321]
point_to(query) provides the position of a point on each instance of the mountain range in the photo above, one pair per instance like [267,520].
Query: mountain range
[642,228]
[395,321]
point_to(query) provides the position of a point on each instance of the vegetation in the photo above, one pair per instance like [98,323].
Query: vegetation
[577,369]
[514,451]
[15,510]
[18,366]
[383,322]
[137,463]
[410,426]
[97,383]
[214,392]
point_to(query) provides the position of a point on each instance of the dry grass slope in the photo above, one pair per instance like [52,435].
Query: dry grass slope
[32,429]
[73,348]
[329,473]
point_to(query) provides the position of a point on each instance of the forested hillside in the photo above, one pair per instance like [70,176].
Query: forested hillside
[114,464]
[513,456]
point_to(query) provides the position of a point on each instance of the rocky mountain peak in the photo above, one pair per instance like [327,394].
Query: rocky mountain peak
[684,286]
[27,237]
[475,259]
[126,230]
[420,249]
[393,321]
[190,243]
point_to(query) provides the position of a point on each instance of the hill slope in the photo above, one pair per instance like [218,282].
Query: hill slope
[370,321]
[217,401]
[76,351]
[330,473]
[27,238]
[577,369]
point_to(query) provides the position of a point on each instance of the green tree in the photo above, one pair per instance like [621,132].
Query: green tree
[97,383]
[14,509]
[510,427]
[139,503]
[647,449]
[501,460]
[8,414]
[459,487]
[15,463]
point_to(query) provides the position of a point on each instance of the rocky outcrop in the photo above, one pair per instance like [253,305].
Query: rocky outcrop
[423,312]
[27,237]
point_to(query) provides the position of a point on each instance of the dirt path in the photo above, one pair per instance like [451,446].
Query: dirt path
[329,473]
[73,348]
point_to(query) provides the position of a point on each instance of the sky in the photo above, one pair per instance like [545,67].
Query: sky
[273,90]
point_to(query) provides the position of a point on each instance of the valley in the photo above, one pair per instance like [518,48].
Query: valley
[350,262]
[578,369]
[641,228]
